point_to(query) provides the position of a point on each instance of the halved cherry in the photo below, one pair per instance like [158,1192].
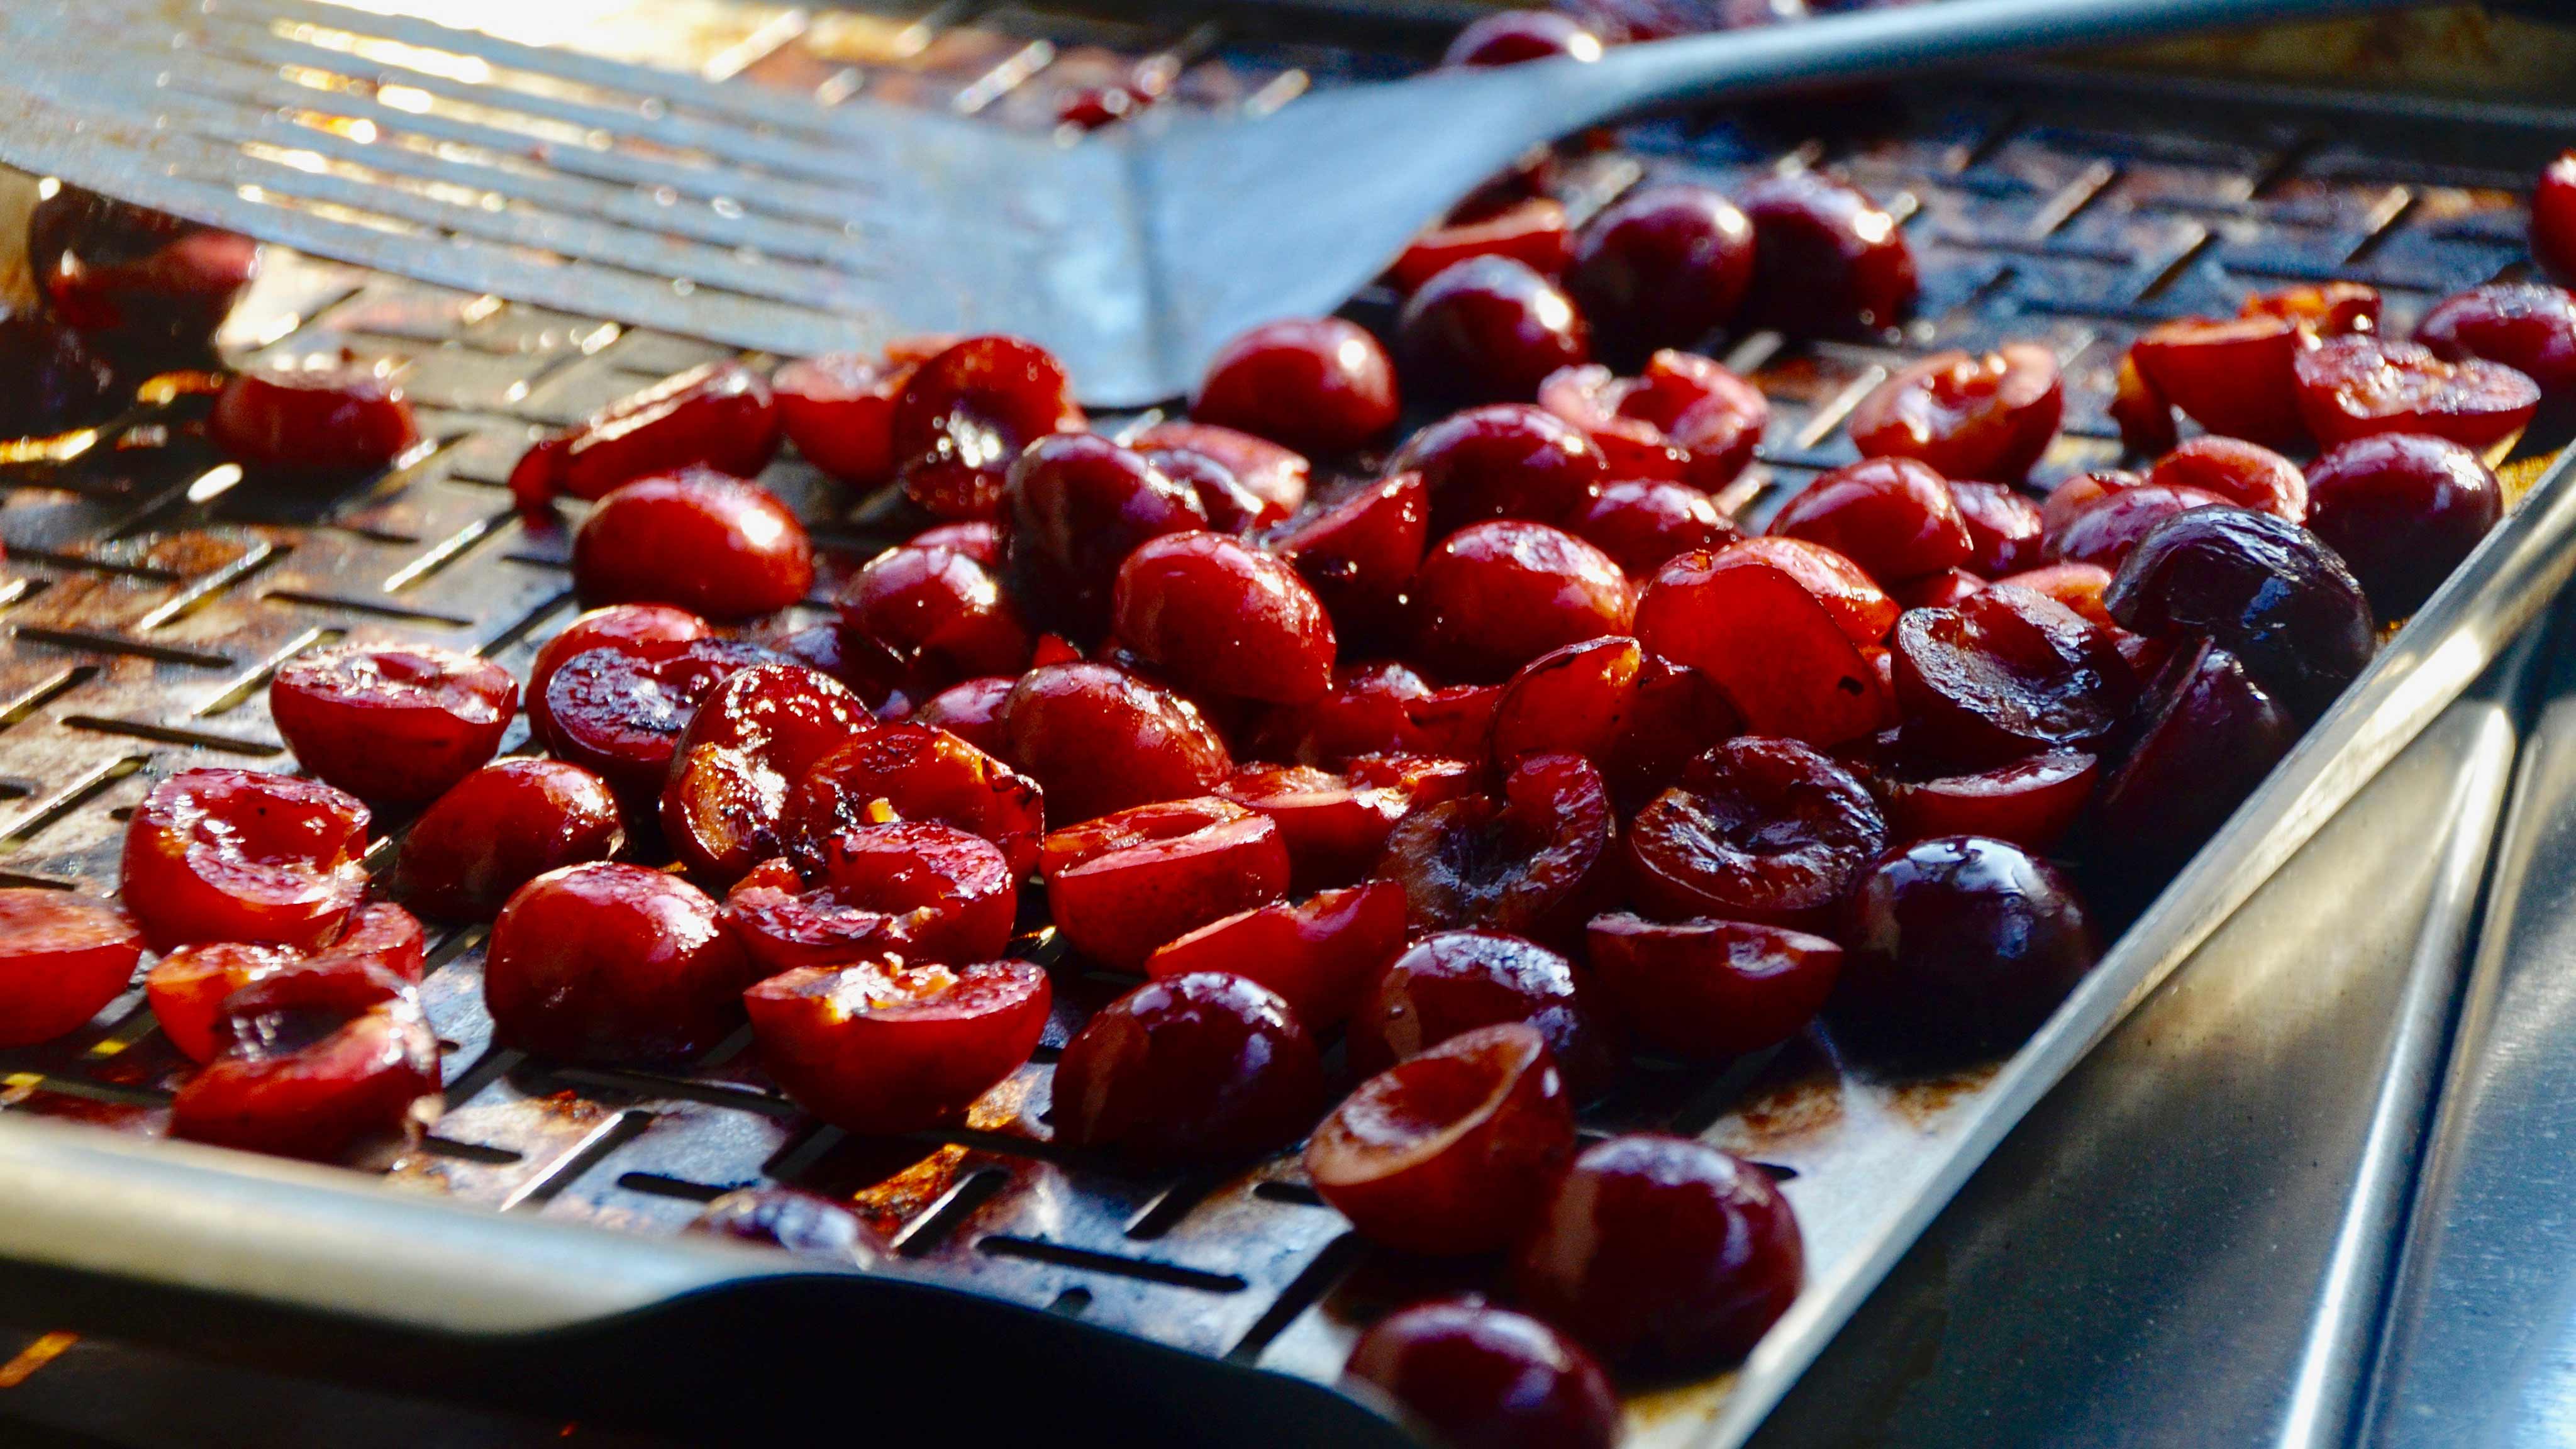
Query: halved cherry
[2322,309]
[967,412]
[1938,591]
[621,711]
[2006,673]
[501,827]
[613,963]
[2246,474]
[1360,553]
[2032,801]
[1230,507]
[396,725]
[2263,588]
[892,1045]
[1275,475]
[188,987]
[2145,419]
[939,609]
[706,541]
[1704,989]
[235,855]
[1450,1151]
[1534,863]
[619,626]
[882,679]
[1504,460]
[1456,722]
[1988,417]
[1422,780]
[1858,606]
[2553,217]
[2353,387]
[1453,982]
[1078,506]
[1477,1374]
[1685,417]
[1123,884]
[2103,533]
[1319,384]
[1333,830]
[719,416]
[2209,734]
[316,1061]
[923,891]
[1100,739]
[1894,517]
[912,772]
[1675,714]
[1218,617]
[2402,510]
[1206,1067]
[838,410]
[1783,656]
[1573,700]
[1960,945]
[335,421]
[1495,595]
[1761,830]
[2079,586]
[971,710]
[752,738]
[1318,953]
[2235,377]
[2527,326]
[1532,231]
[1644,523]
[62,958]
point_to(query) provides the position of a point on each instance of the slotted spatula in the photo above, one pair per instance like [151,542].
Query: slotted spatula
[770,220]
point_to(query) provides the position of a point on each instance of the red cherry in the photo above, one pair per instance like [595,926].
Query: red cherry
[1319,954]
[1535,863]
[1509,37]
[1453,982]
[2263,588]
[2007,673]
[1988,417]
[2527,326]
[2402,510]
[1333,830]
[234,855]
[187,988]
[2234,377]
[1759,631]
[619,626]
[1079,504]
[1643,524]
[1673,717]
[709,543]
[2246,474]
[1894,517]
[393,725]
[891,1046]
[720,416]
[1684,418]
[501,827]
[1123,884]
[1358,554]
[2207,735]
[967,412]
[1320,385]
[972,710]
[1495,595]
[939,609]
[1199,1068]
[612,963]
[1532,231]
[1507,460]
[1826,259]
[335,421]
[839,412]
[752,738]
[1274,475]
[1451,1151]
[2553,217]
[1489,1377]
[1099,739]
[1662,267]
[1662,1251]
[620,710]
[2104,533]
[1937,591]
[1489,329]
[1573,700]
[319,1060]
[922,891]
[2353,387]
[1763,830]
[1217,616]
[2145,419]
[1961,944]
[63,958]
[1707,989]
[150,288]
[2032,801]
[912,772]
[2079,586]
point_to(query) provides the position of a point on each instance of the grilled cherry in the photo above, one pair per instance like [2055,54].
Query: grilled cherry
[1206,1067]
[398,725]
[317,1062]
[328,422]
[1495,595]
[1509,37]
[1216,616]
[1704,989]
[2237,378]
[1675,714]
[1531,230]
[1644,524]
[1895,517]
[2079,586]
[967,412]
[2208,735]
[619,626]
[1762,830]
[1684,417]
[839,412]
[1988,417]
[2527,326]
[187,988]
[2265,590]
[1360,553]
[1663,267]
[1317,384]
[1573,700]
[1370,709]
[919,890]
[719,416]
[1773,623]
[941,610]
[151,288]
[2032,801]
[752,738]
[1319,953]
[1333,829]
[2003,528]
[1961,944]
[610,963]
[894,1046]
[620,710]
[2005,673]
[2356,386]
[235,855]
[1506,460]
[1126,883]
[915,772]
[2248,475]
[63,957]
[709,543]
[1827,260]
[2102,533]
[2402,510]
[1452,982]
[1534,863]
[2553,217]
[1079,504]
[1100,739]
[1274,476]
[1663,1252]
[1488,330]
[501,827]
[2144,418]
[1452,1150]
[1488,1378]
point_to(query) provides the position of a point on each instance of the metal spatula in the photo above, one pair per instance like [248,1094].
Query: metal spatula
[770,220]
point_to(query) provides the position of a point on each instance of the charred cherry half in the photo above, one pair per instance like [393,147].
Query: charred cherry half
[1760,830]
[1489,1378]
[1450,1151]
[1961,944]
[1318,384]
[1216,616]
[2355,386]
[752,738]
[2402,510]
[1456,981]
[187,988]
[1206,1067]
[1489,329]
[1662,267]
[2264,589]
[501,827]
[1318,953]
[709,543]
[62,958]
[1988,417]
[2006,672]
[720,416]
[1827,260]
[393,725]
[1100,739]
[334,421]
[612,963]
[1706,989]
[911,771]
[967,412]
[1495,595]
[620,710]
[1123,884]
[318,1061]
[916,889]
[1533,863]
[1662,1251]
[890,1046]
[234,855]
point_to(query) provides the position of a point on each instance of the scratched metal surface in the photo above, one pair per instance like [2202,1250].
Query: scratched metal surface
[147,597]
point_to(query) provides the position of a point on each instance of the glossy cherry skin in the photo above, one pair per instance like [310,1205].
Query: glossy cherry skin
[839,412]
[2356,386]
[501,827]
[753,737]
[2103,533]
[2144,418]
[1216,616]
[941,610]
[1536,862]
[1961,944]
[1574,700]
[891,1046]
[1333,829]
[2003,528]
[719,416]
[2236,378]
[319,1061]
[915,889]
[397,726]
[2265,590]
[1495,595]
[613,963]
[1079,504]
[1827,260]
[2246,474]
[1988,417]
[620,710]
[187,988]
[1662,267]
[2207,735]
[1275,477]
[625,627]
[1488,329]
[1449,1151]
[1359,554]
[1643,524]
[2402,510]
[1505,460]
[1319,953]
[1100,739]
[2031,802]
[1752,619]
[2527,326]
[1683,417]
[1450,983]
[1706,989]
[970,710]
[911,771]
[1532,231]
[235,855]
[1489,1378]
[63,957]
[967,412]
[1320,385]
[2007,673]
[151,288]
[1203,1068]
[1662,1252]
[1509,37]
[330,422]
[709,543]
[1763,830]
[1124,884]
[1894,517]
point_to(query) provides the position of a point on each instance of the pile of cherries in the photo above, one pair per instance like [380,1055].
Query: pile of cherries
[1500,755]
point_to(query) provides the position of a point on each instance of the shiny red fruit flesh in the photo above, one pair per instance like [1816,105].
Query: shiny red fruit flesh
[1495,595]
[234,855]
[1685,418]
[319,1061]
[891,1046]
[338,422]
[1217,616]
[1749,619]
[1332,827]
[2006,673]
[501,827]
[2527,326]
[613,963]
[1534,863]
[62,958]
[2234,378]
[398,726]
[839,412]
[912,772]
[1100,739]
[1504,460]
[1988,417]
[1532,231]
[1318,953]
[187,988]
[753,737]
[2031,802]
[1078,506]
[620,711]
[1762,830]
[967,412]
[1360,553]
[922,891]
[1124,884]
[1275,476]
[2356,386]
[1895,517]
[939,609]
[1706,989]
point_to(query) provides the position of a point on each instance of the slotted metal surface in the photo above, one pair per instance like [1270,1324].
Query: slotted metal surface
[149,592]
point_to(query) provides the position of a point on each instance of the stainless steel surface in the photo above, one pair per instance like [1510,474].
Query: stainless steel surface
[799,228]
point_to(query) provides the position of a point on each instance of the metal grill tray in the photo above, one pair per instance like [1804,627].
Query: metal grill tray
[150,593]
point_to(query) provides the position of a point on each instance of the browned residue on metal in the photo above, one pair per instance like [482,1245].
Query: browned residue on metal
[888,1205]
[1926,1098]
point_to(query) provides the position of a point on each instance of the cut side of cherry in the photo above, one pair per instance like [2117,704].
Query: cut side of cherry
[316,1062]
[752,738]
[2031,802]
[925,892]
[399,726]
[1124,884]
[1988,417]
[63,957]
[1895,517]
[895,1046]
[1784,654]
[235,855]
[1763,830]
[1535,862]
[2006,673]
[720,416]
[1706,989]
[912,772]
[2356,386]
[613,963]
[967,412]
[620,711]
